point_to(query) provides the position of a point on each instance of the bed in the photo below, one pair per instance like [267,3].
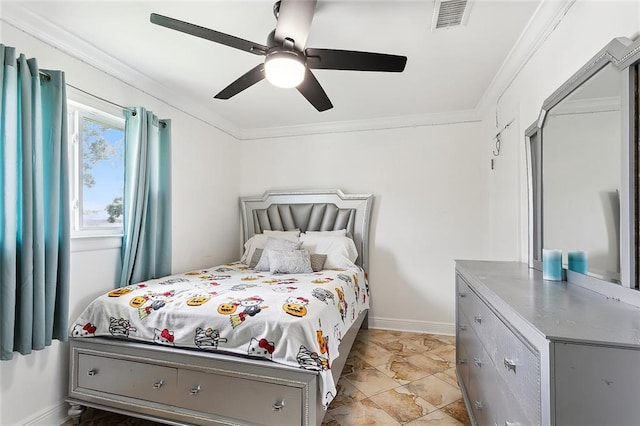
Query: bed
[261,341]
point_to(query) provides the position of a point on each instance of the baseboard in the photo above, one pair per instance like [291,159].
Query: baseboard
[429,327]
[53,416]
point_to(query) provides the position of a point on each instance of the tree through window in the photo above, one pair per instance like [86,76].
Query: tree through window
[98,145]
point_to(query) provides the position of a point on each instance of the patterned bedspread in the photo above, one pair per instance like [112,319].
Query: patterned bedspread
[297,320]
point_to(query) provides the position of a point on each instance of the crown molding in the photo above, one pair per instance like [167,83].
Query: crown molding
[544,21]
[586,106]
[382,123]
[546,17]
[14,14]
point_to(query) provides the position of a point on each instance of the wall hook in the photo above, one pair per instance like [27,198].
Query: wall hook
[498,138]
[496,151]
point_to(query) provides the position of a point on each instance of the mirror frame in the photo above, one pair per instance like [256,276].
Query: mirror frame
[624,54]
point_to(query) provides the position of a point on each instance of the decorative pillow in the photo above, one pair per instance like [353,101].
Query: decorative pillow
[259,240]
[257,254]
[338,233]
[277,244]
[341,251]
[317,261]
[289,262]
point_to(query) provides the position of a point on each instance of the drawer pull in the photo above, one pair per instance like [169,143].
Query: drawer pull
[462,294]
[158,384]
[462,361]
[92,372]
[478,319]
[508,423]
[278,406]
[463,327]
[478,405]
[510,365]
[477,362]
[194,390]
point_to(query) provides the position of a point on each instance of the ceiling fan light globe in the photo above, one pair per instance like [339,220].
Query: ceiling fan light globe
[284,70]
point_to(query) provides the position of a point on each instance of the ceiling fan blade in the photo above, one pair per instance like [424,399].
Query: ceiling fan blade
[208,34]
[311,89]
[294,21]
[247,80]
[351,60]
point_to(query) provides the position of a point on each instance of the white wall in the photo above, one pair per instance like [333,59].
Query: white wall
[205,165]
[586,28]
[436,197]
[430,207]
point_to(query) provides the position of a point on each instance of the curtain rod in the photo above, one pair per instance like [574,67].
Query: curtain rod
[99,98]
[47,76]
[133,111]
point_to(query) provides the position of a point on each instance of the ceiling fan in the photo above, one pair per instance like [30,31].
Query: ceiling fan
[288,62]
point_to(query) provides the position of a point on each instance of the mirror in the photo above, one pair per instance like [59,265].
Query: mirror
[582,158]
[581,174]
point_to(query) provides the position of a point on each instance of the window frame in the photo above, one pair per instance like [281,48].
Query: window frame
[77,108]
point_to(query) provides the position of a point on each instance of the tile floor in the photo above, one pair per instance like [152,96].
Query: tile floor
[390,378]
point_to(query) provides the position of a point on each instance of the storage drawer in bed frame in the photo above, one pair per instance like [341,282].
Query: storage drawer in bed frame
[182,386]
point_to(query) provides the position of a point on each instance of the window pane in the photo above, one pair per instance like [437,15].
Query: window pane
[102,146]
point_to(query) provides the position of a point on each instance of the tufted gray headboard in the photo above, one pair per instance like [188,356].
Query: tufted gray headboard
[325,210]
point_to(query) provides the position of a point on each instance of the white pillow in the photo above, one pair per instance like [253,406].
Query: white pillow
[341,251]
[338,233]
[289,262]
[277,244]
[287,235]
[259,240]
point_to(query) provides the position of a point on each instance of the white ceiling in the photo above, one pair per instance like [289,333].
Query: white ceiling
[447,72]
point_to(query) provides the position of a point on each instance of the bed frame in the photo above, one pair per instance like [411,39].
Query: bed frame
[181,386]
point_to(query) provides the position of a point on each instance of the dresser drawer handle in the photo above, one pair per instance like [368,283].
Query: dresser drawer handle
[477,362]
[510,365]
[478,405]
[508,423]
[478,319]
[463,327]
[278,406]
[462,361]
[92,372]
[158,384]
[462,294]
[194,390]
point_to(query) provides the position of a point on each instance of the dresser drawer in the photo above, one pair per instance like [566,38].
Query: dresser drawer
[482,386]
[127,378]
[508,409]
[519,368]
[464,342]
[261,402]
[480,317]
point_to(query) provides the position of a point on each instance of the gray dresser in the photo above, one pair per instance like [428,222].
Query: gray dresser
[534,352]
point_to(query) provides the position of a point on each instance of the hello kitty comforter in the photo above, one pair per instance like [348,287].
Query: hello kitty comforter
[297,320]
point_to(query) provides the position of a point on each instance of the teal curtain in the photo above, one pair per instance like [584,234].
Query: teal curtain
[146,246]
[34,206]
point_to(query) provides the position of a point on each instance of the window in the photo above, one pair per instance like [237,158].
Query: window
[97,149]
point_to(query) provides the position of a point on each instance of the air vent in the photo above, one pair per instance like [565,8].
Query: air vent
[450,13]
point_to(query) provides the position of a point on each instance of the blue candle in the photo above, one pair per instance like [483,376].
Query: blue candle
[578,261]
[552,265]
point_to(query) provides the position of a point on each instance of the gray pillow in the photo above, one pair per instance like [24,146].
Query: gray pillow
[289,262]
[277,244]
[317,261]
[257,254]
